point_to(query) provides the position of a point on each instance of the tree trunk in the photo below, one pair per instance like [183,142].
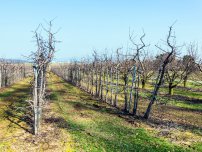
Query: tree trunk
[136,97]
[132,86]
[117,83]
[111,85]
[143,84]
[88,76]
[103,83]
[35,101]
[170,88]
[96,82]
[146,115]
[100,84]
[37,119]
[107,89]
[38,98]
[126,93]
[92,81]
[185,81]
[6,81]
[156,88]
[126,101]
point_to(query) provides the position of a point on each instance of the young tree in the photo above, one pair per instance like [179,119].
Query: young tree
[147,69]
[174,74]
[179,70]
[117,72]
[189,62]
[125,71]
[138,68]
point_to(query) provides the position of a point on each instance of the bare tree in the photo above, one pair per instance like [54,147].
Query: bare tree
[138,68]
[189,62]
[41,59]
[145,64]
[162,70]
[117,72]
[180,69]
[147,69]
[125,71]
[102,76]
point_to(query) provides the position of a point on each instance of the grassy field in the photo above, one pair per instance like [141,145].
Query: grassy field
[74,121]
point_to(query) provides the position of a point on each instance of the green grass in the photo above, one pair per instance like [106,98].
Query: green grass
[181,92]
[98,130]
[90,125]
[181,95]
[12,119]
[188,105]
[174,102]
[197,147]
[190,94]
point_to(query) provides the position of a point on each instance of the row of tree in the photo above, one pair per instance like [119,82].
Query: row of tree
[120,76]
[11,72]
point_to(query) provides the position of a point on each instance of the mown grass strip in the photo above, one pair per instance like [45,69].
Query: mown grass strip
[95,129]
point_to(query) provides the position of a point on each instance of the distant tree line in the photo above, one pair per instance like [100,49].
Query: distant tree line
[12,71]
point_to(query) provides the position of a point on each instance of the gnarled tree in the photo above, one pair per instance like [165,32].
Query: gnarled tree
[41,59]
[172,50]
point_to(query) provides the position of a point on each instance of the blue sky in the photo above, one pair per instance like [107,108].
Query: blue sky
[96,24]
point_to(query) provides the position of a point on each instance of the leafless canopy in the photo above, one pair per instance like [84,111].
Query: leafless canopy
[41,59]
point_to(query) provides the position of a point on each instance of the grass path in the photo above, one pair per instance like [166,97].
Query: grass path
[94,126]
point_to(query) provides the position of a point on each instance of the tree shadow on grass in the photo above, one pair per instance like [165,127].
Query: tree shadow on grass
[17,112]
[170,107]
[91,104]
[108,135]
[87,102]
[59,121]
[20,117]
[186,99]
[102,135]
[167,124]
